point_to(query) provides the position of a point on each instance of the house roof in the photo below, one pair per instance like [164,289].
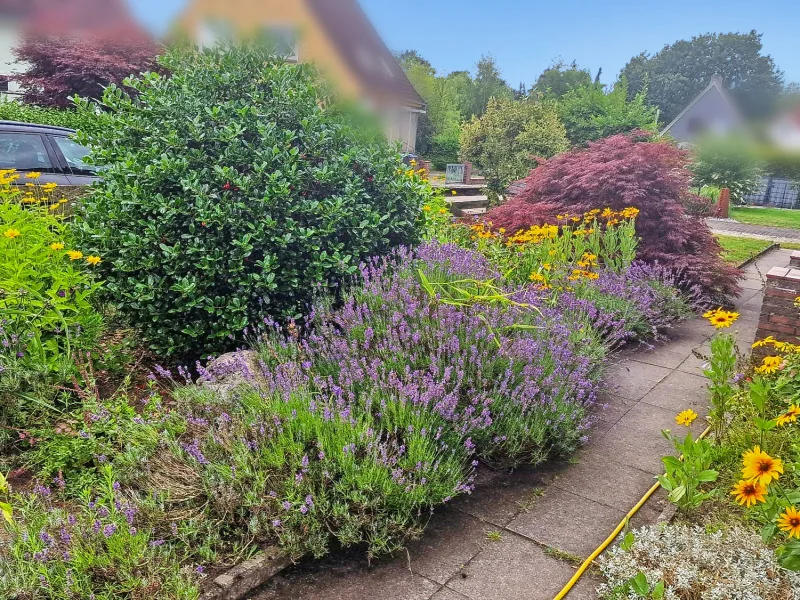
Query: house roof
[363,49]
[716,85]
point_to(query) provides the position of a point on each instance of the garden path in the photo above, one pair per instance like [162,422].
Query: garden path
[776,234]
[519,536]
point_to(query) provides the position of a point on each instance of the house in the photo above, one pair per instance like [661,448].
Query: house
[51,16]
[713,112]
[784,130]
[336,35]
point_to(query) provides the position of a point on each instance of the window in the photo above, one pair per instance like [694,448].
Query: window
[4,81]
[23,152]
[75,153]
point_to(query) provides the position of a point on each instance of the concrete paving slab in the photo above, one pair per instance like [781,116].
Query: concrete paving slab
[634,447]
[567,522]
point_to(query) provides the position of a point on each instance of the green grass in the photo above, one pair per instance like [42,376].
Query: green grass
[736,250]
[773,217]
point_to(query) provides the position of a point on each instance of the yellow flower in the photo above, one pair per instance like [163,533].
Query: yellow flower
[789,522]
[760,466]
[75,255]
[765,342]
[547,266]
[537,277]
[93,260]
[721,318]
[455,193]
[49,187]
[790,416]
[749,492]
[426,208]
[12,233]
[686,418]
[443,211]
[57,246]
[770,364]
[33,175]
[413,163]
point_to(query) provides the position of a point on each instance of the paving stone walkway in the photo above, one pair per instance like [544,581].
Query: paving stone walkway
[763,232]
[520,535]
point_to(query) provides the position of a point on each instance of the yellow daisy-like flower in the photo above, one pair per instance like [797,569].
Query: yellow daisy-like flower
[760,466]
[57,246]
[767,341]
[426,208]
[33,175]
[770,364]
[93,260]
[443,211]
[789,522]
[49,187]
[11,233]
[413,163]
[686,418]
[790,416]
[75,255]
[455,193]
[748,493]
[721,318]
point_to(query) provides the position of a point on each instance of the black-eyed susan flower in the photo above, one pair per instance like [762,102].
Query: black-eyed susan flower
[790,416]
[789,522]
[770,364]
[721,319]
[761,467]
[686,418]
[748,493]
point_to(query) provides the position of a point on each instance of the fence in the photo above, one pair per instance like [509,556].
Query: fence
[775,192]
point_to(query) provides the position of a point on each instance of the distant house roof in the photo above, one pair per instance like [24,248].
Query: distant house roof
[363,49]
[715,87]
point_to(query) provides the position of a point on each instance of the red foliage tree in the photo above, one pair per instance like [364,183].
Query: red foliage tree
[62,65]
[622,171]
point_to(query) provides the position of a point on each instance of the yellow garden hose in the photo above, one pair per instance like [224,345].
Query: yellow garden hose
[609,540]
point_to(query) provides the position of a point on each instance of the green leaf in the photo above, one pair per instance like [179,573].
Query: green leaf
[7,511]
[708,476]
[676,494]
[640,585]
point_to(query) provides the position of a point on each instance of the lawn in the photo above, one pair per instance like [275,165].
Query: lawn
[774,217]
[737,250]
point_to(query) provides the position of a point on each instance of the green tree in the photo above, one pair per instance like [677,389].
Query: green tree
[589,113]
[731,163]
[507,141]
[560,78]
[407,57]
[488,84]
[677,74]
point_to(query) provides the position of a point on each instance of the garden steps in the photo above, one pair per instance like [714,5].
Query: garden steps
[519,534]
[462,206]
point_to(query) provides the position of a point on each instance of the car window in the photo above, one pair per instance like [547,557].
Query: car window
[75,153]
[23,152]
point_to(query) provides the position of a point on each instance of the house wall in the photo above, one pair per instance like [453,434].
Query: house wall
[401,126]
[9,39]
[711,114]
[250,16]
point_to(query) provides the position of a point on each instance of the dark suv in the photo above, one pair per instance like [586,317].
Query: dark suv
[49,150]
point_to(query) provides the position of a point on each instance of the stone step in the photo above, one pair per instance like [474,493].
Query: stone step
[468,201]
[469,212]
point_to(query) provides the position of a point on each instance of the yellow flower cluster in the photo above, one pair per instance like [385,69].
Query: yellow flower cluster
[770,365]
[779,346]
[534,235]
[759,471]
[721,319]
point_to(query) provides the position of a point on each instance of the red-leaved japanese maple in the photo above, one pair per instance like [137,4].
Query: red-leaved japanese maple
[622,171]
[58,66]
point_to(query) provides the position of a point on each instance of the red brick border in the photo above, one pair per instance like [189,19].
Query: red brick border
[780,317]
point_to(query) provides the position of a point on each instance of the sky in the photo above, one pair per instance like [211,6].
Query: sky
[526,36]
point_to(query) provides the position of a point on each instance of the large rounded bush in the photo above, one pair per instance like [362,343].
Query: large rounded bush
[234,190]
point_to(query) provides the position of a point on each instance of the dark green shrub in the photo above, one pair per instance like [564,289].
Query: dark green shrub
[72,119]
[234,191]
[444,151]
[730,163]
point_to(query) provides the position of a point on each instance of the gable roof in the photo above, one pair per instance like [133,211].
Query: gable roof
[715,85]
[362,48]
[70,15]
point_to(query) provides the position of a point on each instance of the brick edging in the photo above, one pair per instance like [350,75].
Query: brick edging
[755,257]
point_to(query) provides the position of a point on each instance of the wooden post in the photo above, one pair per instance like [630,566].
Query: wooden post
[724,204]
